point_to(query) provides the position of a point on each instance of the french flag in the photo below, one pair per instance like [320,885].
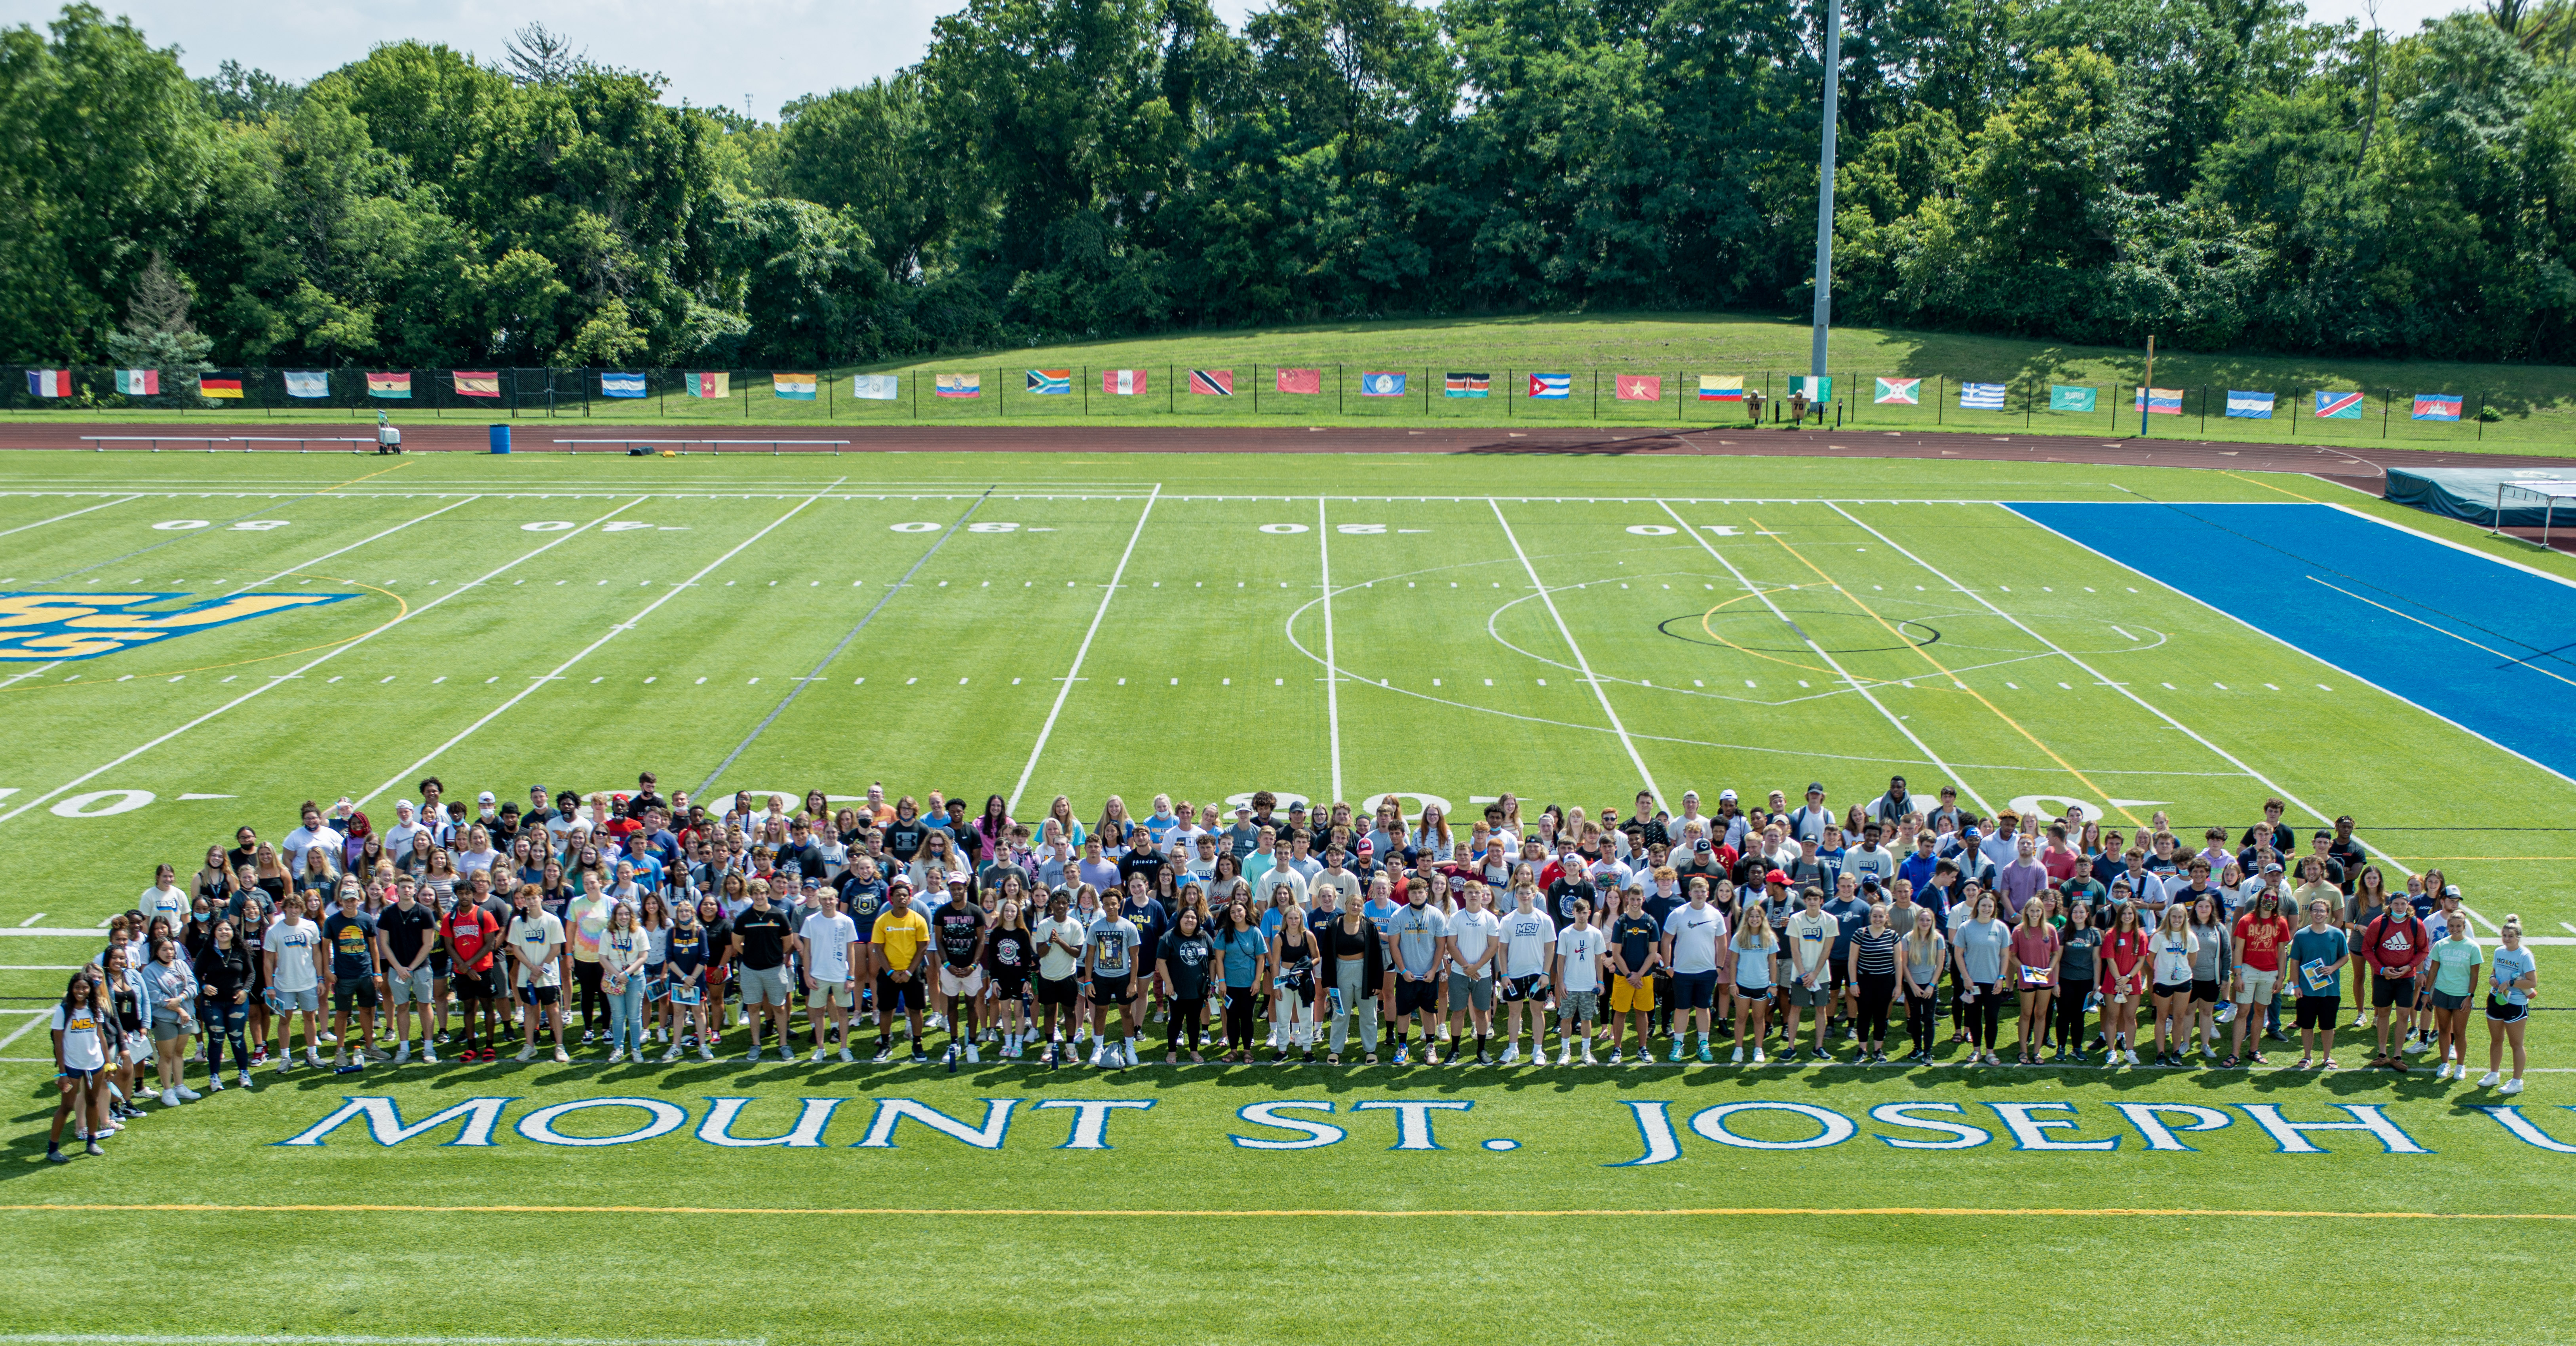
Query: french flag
[49,382]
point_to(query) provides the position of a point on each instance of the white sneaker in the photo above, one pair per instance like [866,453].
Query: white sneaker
[1738,1058]
[2511,1087]
[820,1053]
[671,1055]
[188,1095]
[705,1052]
[2487,1080]
[2360,1019]
[1758,1057]
[313,1057]
[1565,1057]
[2131,1057]
[402,1054]
[428,1054]
[976,1058]
[245,1079]
[2419,1044]
[616,1054]
[170,1098]
[527,1053]
[1587,1056]
[847,1059]
[215,1082]
[933,1021]
[1512,1054]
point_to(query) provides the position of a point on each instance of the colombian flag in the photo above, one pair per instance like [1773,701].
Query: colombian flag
[1715,389]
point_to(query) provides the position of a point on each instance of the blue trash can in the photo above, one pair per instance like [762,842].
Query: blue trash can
[500,439]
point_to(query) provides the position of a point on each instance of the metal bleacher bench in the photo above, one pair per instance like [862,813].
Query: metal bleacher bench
[659,441]
[302,442]
[100,442]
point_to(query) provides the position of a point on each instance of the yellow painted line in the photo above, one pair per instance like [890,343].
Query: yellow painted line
[1747,598]
[2523,660]
[1972,1212]
[2269,486]
[370,476]
[2018,728]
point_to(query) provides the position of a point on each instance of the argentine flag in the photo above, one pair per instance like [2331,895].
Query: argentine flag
[2249,406]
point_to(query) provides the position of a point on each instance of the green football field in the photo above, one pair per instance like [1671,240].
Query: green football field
[1337,627]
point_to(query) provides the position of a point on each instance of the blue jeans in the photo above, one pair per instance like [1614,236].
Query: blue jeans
[222,1022]
[626,1016]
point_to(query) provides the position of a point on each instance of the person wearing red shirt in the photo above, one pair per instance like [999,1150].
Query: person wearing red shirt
[473,940]
[2123,973]
[2395,944]
[2262,933]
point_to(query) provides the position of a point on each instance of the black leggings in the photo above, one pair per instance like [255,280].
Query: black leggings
[1184,1014]
[1923,1019]
[1985,1014]
[2070,1013]
[1875,988]
[1239,1007]
[594,1000]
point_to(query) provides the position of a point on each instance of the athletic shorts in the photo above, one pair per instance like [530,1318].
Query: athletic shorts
[1466,991]
[1112,990]
[2318,1012]
[2260,987]
[2444,1000]
[171,1028]
[1010,987]
[2169,988]
[1524,987]
[1695,990]
[541,995]
[826,994]
[2392,992]
[2499,1012]
[765,986]
[409,988]
[308,1000]
[1416,997]
[893,995]
[483,985]
[2204,992]
[968,984]
[1581,1006]
[1055,992]
[1800,994]
[1626,999]
[354,993]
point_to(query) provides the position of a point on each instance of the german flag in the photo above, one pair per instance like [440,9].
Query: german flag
[220,385]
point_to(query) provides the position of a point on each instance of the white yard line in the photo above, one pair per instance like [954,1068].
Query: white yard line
[1830,661]
[1070,674]
[254,584]
[44,668]
[629,624]
[34,1017]
[334,652]
[1332,672]
[1582,664]
[4,532]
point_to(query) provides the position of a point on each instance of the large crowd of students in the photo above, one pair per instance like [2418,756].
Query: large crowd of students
[1778,934]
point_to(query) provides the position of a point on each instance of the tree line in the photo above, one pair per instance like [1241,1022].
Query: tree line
[2225,173]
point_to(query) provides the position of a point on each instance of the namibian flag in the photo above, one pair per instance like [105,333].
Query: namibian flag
[2249,406]
[1123,382]
[2335,406]
[1212,382]
[1715,389]
[1310,381]
[49,382]
[1465,385]
[478,383]
[1899,393]
[1381,385]
[2160,401]
[958,385]
[710,385]
[389,385]
[1050,383]
[1553,386]
[621,385]
[2437,406]
[793,387]
[226,386]
[146,383]
[1640,387]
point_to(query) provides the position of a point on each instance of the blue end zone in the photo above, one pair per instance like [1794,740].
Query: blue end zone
[2381,603]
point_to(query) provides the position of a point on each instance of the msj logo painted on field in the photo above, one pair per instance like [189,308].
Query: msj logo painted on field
[84,626]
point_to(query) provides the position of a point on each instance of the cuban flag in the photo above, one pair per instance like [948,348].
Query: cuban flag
[1554,386]
[2337,406]
[2249,406]
[2160,401]
[1981,396]
[1381,385]
[875,387]
[2437,406]
[1899,392]
[1212,383]
[1123,382]
[621,385]
[49,382]
[1050,383]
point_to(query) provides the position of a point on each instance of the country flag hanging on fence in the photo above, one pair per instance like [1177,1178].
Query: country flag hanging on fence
[1639,387]
[2160,401]
[1123,382]
[710,385]
[2338,406]
[1212,383]
[875,387]
[1554,387]
[1049,383]
[225,386]
[2071,397]
[389,385]
[478,383]
[958,385]
[792,387]
[1715,388]
[2437,406]
[1899,393]
[308,382]
[1981,396]
[2249,406]
[1817,387]
[1465,385]
[49,382]
[1304,381]
[622,385]
[139,382]
[1381,385]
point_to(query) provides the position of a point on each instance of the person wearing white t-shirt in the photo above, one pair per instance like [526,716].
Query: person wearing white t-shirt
[313,833]
[1579,950]
[292,950]
[831,946]
[1691,936]
[1529,950]
[164,899]
[1473,941]
[536,942]
[1810,981]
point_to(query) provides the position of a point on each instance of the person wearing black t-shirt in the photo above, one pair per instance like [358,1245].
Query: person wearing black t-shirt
[409,930]
[957,927]
[1636,951]
[761,936]
[1010,955]
[903,836]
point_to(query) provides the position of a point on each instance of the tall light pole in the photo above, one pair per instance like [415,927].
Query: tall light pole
[1825,192]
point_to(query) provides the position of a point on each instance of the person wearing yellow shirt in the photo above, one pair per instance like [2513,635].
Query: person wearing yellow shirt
[902,937]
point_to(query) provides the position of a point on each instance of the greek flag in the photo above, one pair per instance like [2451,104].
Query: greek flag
[1981,396]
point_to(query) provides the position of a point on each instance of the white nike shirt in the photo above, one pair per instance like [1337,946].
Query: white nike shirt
[1529,942]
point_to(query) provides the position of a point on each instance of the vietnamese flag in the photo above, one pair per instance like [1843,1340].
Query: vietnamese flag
[1640,388]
